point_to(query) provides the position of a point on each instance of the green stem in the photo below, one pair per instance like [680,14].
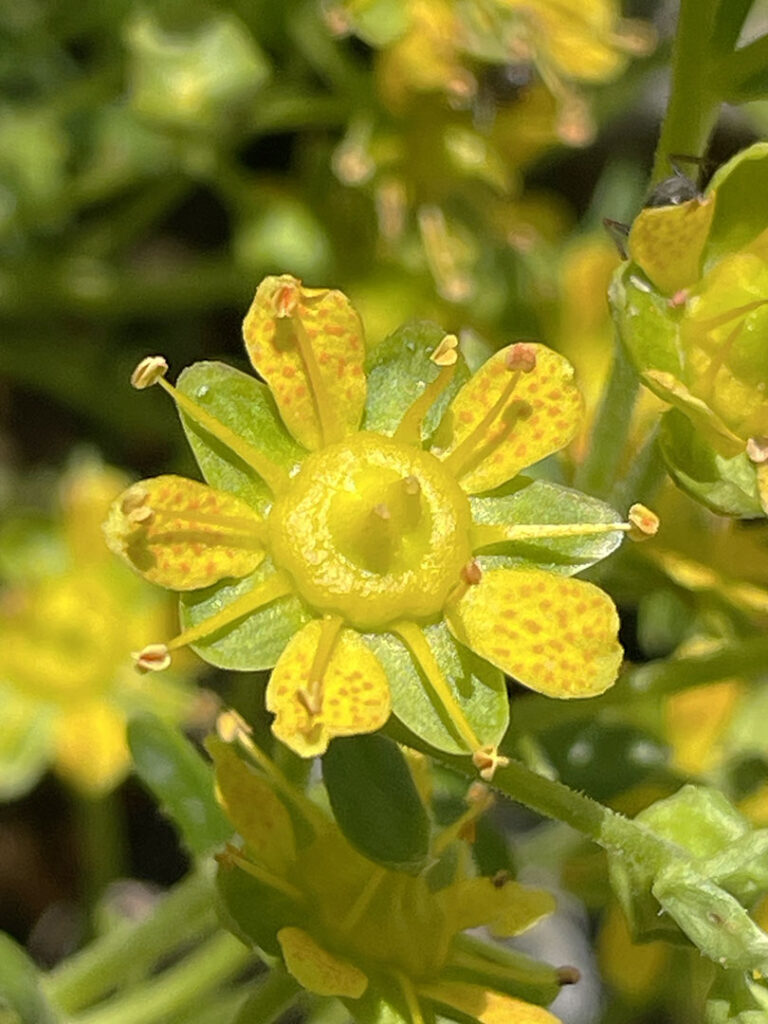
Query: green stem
[597,473]
[184,914]
[693,102]
[270,1000]
[161,998]
[101,842]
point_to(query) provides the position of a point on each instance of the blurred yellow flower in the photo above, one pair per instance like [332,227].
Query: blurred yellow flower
[70,613]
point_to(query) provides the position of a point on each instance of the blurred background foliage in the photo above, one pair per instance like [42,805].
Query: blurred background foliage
[157,160]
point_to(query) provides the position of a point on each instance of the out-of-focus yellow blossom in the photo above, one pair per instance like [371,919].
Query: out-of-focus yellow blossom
[635,970]
[66,630]
[350,928]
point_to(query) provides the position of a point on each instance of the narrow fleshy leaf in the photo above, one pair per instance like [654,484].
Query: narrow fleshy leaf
[21,987]
[667,242]
[728,486]
[308,344]
[254,809]
[476,686]
[502,968]
[181,781]
[398,370]
[507,909]
[375,801]
[538,415]
[316,969]
[485,1005]
[183,534]
[555,635]
[245,405]
[26,742]
[351,696]
[545,502]
[252,643]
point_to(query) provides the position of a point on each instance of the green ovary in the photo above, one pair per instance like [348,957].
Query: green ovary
[372,530]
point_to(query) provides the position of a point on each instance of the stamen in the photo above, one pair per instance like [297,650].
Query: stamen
[568,975]
[150,371]
[520,358]
[416,642]
[487,760]
[444,356]
[363,900]
[479,800]
[287,306]
[156,657]
[642,522]
[757,450]
[312,696]
[232,855]
[411,998]
[470,576]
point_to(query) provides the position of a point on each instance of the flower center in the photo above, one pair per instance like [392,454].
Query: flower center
[373,530]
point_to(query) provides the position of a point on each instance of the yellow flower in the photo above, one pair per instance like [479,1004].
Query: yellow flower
[375,567]
[372,935]
[67,624]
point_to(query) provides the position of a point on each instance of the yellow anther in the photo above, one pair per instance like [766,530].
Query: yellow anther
[471,573]
[148,372]
[134,498]
[153,658]
[757,450]
[522,357]
[231,726]
[143,515]
[446,352]
[487,760]
[642,523]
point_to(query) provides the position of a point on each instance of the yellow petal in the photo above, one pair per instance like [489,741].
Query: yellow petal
[91,749]
[538,413]
[554,634]
[486,1006]
[254,808]
[350,696]
[507,908]
[87,491]
[183,534]
[696,721]
[316,969]
[703,417]
[308,344]
[668,242]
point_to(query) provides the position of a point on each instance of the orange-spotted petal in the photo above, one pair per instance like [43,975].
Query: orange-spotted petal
[554,634]
[519,407]
[308,344]
[253,807]
[486,1006]
[183,534]
[668,242]
[316,969]
[341,693]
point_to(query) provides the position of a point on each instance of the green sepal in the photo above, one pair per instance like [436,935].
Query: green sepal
[252,910]
[376,803]
[398,370]
[380,1004]
[21,996]
[544,502]
[245,405]
[736,999]
[711,918]
[477,686]
[647,327]
[501,969]
[726,485]
[171,768]
[741,210]
[252,643]
[26,742]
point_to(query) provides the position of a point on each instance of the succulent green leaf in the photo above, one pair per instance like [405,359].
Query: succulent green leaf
[741,212]
[726,485]
[544,502]
[254,642]
[477,686]
[245,405]
[171,768]
[375,801]
[398,370]
[21,997]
